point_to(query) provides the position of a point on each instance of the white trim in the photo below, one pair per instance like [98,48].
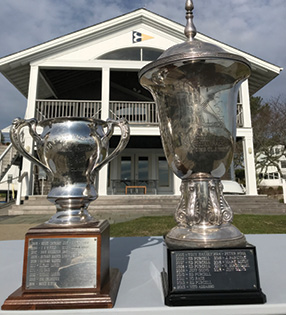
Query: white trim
[244,132]
[29,143]
[90,64]
[101,29]
[259,63]
[141,131]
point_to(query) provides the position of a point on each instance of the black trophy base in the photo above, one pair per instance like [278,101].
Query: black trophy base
[211,277]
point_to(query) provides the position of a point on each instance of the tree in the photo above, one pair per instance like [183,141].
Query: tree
[269,135]
[269,132]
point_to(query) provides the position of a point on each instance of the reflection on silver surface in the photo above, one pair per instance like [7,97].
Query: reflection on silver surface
[195,86]
[71,151]
[197,118]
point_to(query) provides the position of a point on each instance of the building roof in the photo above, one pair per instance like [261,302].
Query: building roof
[16,67]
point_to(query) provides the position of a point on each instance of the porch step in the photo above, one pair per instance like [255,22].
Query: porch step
[112,208]
[260,204]
[122,208]
[125,206]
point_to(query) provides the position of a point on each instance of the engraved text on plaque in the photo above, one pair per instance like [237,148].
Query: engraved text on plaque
[62,263]
[213,270]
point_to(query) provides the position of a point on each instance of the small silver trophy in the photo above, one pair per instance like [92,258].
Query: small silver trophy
[71,151]
[66,260]
[195,86]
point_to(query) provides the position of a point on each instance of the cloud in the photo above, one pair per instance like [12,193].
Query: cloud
[256,26]
[12,103]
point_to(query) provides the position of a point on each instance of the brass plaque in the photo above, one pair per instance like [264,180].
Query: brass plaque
[62,263]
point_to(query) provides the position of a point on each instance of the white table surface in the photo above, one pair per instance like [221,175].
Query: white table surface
[140,260]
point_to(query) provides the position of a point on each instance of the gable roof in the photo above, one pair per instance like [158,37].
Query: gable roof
[16,67]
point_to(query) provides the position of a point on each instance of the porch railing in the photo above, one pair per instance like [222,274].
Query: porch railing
[135,112]
[61,108]
[140,113]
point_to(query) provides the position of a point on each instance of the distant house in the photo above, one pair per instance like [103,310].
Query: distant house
[272,174]
[93,72]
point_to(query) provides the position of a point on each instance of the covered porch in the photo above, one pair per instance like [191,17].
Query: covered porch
[101,93]
[111,93]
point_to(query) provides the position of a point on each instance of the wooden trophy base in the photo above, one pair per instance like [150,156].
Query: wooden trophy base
[21,300]
[66,267]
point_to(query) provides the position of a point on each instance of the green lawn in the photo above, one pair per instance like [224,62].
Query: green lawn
[247,224]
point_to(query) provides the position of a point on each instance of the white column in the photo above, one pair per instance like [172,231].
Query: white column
[248,151]
[102,175]
[27,188]
[177,184]
[284,189]
[244,99]
[249,164]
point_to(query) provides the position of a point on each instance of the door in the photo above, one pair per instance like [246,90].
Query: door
[164,176]
[134,167]
[135,174]
[147,169]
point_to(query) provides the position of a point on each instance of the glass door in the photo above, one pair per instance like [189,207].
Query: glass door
[164,175]
[134,173]
[147,170]
[141,168]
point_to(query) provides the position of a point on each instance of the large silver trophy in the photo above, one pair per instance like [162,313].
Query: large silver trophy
[66,260]
[71,151]
[195,86]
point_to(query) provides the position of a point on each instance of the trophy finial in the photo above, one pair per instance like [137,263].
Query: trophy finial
[190,29]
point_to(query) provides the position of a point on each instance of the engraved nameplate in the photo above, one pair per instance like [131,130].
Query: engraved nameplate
[60,263]
[213,270]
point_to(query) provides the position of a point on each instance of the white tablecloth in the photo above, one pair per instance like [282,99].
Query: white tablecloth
[140,260]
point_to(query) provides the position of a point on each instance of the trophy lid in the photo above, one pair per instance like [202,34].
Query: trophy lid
[192,49]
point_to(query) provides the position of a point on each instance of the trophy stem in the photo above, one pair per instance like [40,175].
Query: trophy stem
[68,217]
[204,216]
[70,211]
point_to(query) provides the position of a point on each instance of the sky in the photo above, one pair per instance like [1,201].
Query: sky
[257,27]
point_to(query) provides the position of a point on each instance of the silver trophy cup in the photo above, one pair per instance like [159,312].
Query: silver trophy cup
[71,151]
[195,86]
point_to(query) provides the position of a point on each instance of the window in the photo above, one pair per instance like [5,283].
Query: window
[269,175]
[275,176]
[125,168]
[163,172]
[283,164]
[138,53]
[143,168]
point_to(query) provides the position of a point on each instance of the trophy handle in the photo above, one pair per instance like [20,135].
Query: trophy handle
[15,136]
[125,135]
